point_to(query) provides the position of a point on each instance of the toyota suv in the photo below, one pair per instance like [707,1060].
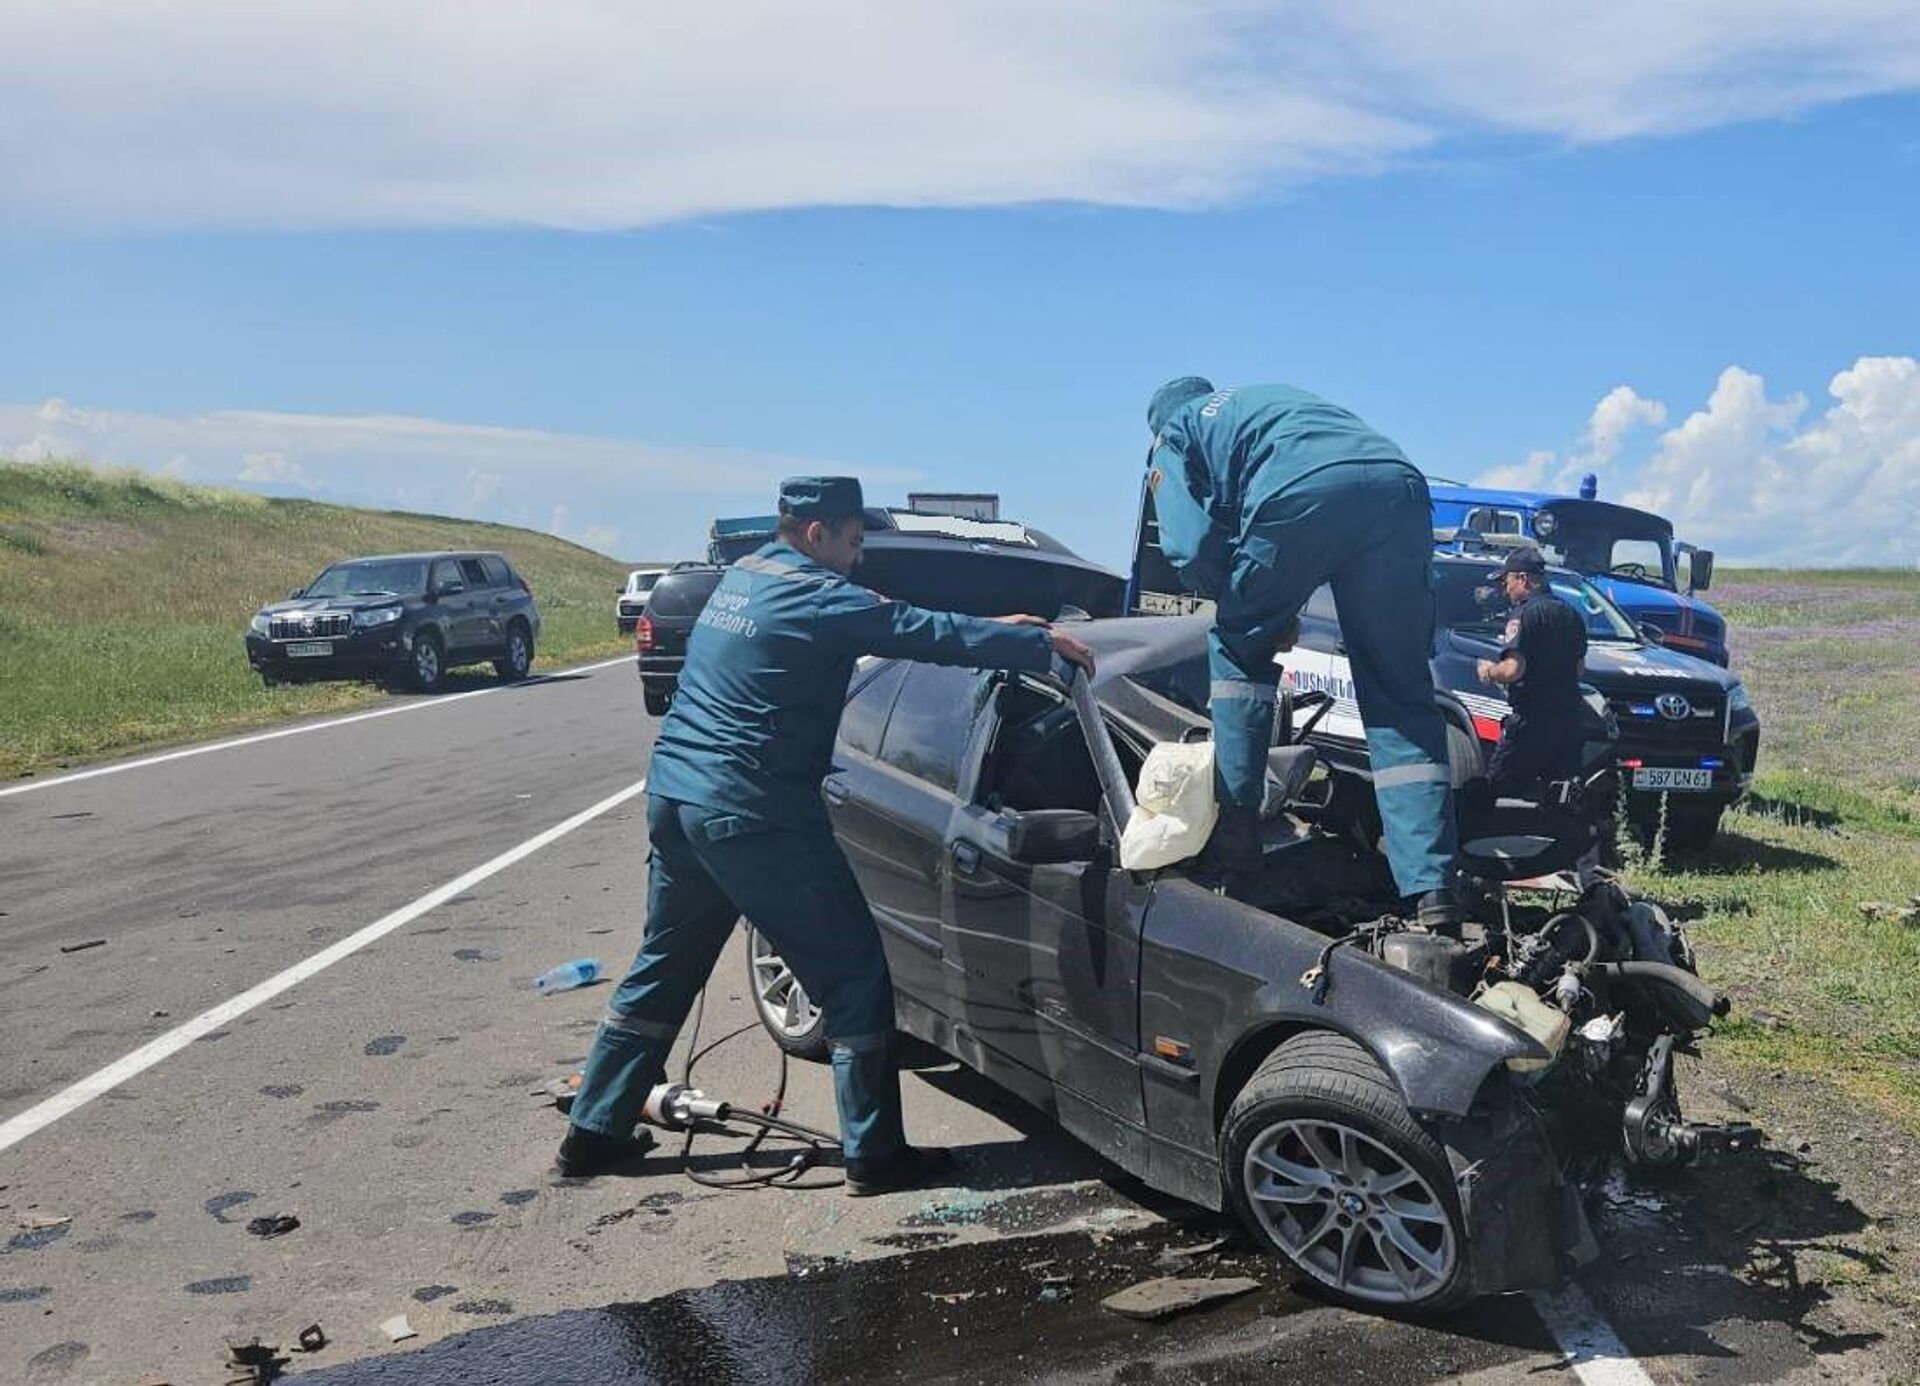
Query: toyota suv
[405,618]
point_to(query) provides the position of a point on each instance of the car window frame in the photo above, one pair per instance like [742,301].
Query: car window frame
[967,765]
[434,579]
[862,682]
[469,566]
[490,561]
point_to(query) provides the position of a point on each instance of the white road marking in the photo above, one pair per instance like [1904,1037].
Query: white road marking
[72,1098]
[1590,1345]
[27,786]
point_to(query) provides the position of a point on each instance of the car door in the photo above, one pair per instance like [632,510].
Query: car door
[485,598]
[1045,957]
[891,810]
[451,599]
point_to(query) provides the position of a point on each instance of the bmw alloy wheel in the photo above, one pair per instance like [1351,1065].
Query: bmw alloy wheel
[778,992]
[1350,1212]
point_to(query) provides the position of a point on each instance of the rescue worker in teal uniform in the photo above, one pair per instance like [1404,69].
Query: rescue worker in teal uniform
[737,826]
[1262,493]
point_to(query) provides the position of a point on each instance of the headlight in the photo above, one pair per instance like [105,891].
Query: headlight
[377,616]
[259,625]
[1737,699]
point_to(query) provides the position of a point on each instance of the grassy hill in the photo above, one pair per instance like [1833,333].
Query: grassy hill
[124,596]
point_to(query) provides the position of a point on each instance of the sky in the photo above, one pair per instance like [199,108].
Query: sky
[612,270]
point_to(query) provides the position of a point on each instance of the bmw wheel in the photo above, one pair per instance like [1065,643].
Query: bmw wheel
[789,1016]
[1325,1164]
[425,666]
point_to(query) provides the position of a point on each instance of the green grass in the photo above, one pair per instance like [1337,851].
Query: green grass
[124,597]
[1832,662]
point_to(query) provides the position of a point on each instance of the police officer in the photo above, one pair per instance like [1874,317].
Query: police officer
[1540,667]
[1262,493]
[737,826]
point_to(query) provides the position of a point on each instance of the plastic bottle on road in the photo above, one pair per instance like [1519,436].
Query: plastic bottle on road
[567,976]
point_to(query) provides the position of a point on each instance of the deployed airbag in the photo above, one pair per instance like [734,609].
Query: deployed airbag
[1174,807]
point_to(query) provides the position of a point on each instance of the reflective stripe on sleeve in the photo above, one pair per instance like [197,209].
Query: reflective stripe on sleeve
[1242,690]
[768,567]
[1424,773]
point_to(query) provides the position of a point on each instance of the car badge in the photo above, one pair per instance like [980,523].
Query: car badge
[1674,707]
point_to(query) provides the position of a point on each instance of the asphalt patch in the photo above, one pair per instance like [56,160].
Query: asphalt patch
[220,1285]
[471,1219]
[35,1238]
[50,1364]
[23,1294]
[513,1198]
[427,1294]
[282,1090]
[217,1205]
[382,1045]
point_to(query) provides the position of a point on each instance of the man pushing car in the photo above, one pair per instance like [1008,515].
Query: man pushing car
[737,826]
[1262,493]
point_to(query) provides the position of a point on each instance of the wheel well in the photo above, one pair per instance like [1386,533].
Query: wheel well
[521,622]
[1252,1049]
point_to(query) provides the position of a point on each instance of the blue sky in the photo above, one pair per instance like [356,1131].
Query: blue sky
[1476,293]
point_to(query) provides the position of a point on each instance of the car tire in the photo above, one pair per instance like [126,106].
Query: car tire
[1325,1165]
[427,668]
[269,679]
[657,700]
[792,1020]
[518,659]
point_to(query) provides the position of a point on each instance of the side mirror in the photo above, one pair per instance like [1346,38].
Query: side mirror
[1652,634]
[1700,570]
[450,589]
[1041,837]
[296,593]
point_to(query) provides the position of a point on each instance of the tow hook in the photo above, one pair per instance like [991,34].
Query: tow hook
[1656,1134]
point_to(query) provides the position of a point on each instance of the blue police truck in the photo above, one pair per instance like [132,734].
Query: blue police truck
[1630,555]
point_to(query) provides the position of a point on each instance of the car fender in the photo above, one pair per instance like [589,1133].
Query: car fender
[1226,979]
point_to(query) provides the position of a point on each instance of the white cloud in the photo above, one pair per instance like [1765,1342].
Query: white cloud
[1756,480]
[580,113]
[275,469]
[1620,411]
[1742,476]
[620,496]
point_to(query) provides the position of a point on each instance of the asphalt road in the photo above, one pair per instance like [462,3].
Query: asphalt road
[380,1093]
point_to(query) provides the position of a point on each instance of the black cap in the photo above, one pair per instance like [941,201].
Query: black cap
[1525,559]
[820,497]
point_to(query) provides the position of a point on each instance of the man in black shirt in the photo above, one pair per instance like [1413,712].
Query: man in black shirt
[1540,667]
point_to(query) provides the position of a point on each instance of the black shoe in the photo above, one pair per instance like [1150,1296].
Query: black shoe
[910,1167]
[1439,912]
[585,1153]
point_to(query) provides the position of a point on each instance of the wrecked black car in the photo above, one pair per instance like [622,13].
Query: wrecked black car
[1396,1113]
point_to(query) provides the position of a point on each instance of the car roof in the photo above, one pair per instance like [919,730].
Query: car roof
[421,556]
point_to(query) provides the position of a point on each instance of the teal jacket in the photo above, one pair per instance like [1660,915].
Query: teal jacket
[752,725]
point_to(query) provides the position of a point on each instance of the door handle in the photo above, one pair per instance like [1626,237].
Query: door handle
[834,792]
[966,857]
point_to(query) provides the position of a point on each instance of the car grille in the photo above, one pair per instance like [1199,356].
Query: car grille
[310,627]
[1643,724]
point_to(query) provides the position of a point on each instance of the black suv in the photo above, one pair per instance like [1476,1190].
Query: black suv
[660,636]
[404,617]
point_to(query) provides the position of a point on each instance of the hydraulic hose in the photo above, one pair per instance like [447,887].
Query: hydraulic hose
[1688,998]
[1593,935]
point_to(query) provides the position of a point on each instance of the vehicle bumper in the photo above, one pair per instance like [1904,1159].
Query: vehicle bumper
[363,654]
[660,671]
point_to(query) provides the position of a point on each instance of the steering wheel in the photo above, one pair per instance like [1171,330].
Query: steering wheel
[1636,571]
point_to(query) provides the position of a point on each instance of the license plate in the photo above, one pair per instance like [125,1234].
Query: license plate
[1661,777]
[310,649]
